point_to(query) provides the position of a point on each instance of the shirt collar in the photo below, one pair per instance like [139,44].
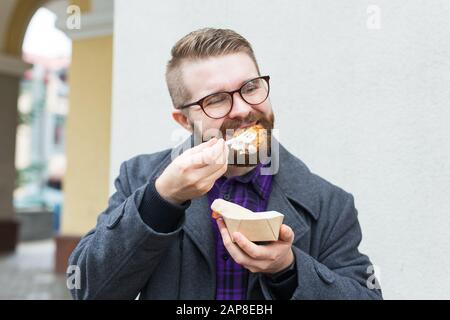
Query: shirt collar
[261,183]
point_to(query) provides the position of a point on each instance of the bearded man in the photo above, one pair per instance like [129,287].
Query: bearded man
[157,238]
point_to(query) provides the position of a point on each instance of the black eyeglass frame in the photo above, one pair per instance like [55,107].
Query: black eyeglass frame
[231,93]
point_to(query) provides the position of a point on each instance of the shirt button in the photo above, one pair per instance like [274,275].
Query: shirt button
[226,197]
[225,257]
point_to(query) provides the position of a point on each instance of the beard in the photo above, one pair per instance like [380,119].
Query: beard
[263,148]
[229,126]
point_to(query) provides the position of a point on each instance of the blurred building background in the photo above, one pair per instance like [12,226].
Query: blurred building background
[55,84]
[40,146]
[359,90]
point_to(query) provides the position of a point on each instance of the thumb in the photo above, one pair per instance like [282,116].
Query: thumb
[204,145]
[286,233]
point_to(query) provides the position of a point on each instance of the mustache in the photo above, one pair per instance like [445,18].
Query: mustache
[236,123]
[267,122]
[251,117]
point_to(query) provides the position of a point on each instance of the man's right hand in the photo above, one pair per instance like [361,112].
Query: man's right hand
[193,173]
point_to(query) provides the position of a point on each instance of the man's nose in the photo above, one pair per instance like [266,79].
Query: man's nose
[240,108]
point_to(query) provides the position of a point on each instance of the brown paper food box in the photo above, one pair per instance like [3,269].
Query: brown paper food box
[255,226]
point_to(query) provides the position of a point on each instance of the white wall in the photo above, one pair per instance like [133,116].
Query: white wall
[366,109]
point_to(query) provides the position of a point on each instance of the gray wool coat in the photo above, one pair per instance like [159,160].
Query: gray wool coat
[123,257]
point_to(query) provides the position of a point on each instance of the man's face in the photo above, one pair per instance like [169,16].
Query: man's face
[217,74]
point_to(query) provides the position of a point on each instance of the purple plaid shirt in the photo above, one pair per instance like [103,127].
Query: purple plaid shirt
[251,191]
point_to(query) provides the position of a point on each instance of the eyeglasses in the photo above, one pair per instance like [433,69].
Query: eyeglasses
[219,104]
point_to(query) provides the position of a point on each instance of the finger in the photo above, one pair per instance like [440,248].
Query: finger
[205,175]
[226,153]
[223,230]
[220,165]
[235,252]
[212,177]
[251,249]
[207,155]
[286,234]
[223,158]
[205,179]
[201,146]
[212,156]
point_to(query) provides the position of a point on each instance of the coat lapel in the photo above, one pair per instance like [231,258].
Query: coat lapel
[278,201]
[198,216]
[293,183]
[198,227]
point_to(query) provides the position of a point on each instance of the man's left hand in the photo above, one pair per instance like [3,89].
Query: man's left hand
[270,258]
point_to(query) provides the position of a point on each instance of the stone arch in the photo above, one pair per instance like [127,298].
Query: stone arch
[20,18]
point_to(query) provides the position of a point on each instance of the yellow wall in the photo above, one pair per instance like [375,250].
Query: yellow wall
[88,129]
[88,135]
[20,18]
[85,5]
[18,24]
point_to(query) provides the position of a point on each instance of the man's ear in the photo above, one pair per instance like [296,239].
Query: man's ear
[181,119]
